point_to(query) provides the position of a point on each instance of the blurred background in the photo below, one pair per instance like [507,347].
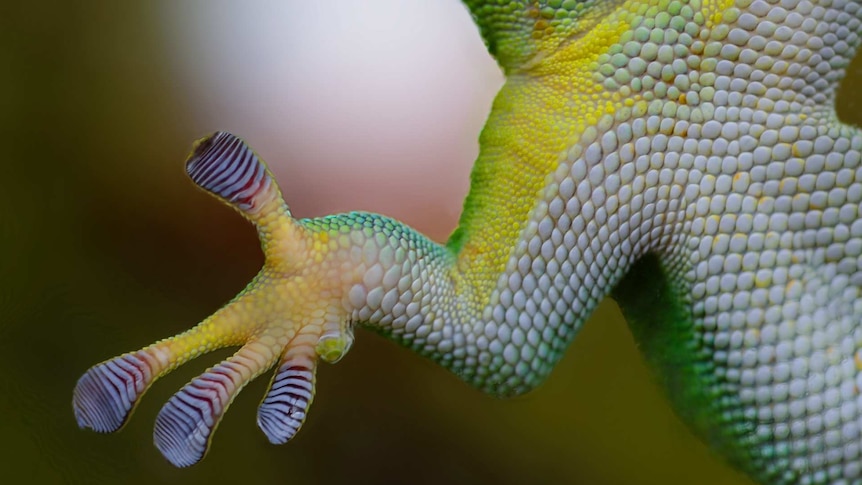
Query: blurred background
[105,245]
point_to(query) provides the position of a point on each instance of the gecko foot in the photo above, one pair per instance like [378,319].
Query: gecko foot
[286,318]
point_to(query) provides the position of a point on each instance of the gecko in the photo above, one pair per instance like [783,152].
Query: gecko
[681,157]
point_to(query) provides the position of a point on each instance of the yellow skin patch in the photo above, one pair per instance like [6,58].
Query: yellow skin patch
[542,111]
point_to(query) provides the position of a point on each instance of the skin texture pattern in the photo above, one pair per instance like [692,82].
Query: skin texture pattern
[683,157]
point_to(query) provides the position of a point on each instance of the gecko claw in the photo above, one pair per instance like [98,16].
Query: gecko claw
[333,345]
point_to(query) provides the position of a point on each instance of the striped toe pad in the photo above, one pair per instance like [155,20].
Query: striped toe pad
[284,408]
[187,421]
[225,166]
[105,396]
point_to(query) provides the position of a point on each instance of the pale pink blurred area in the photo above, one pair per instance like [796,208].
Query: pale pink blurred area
[355,105]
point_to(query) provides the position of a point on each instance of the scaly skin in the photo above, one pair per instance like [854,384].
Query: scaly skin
[684,157]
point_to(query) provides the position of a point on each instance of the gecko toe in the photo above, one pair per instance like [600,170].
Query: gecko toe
[106,395]
[285,406]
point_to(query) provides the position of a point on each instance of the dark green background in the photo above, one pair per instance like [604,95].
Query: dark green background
[105,246]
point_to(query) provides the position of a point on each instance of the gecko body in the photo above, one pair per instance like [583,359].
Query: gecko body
[683,157]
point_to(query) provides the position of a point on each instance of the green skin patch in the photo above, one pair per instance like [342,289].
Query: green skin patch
[659,316]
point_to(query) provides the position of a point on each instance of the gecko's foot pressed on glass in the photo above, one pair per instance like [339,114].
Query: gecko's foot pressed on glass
[288,317]
[683,157]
